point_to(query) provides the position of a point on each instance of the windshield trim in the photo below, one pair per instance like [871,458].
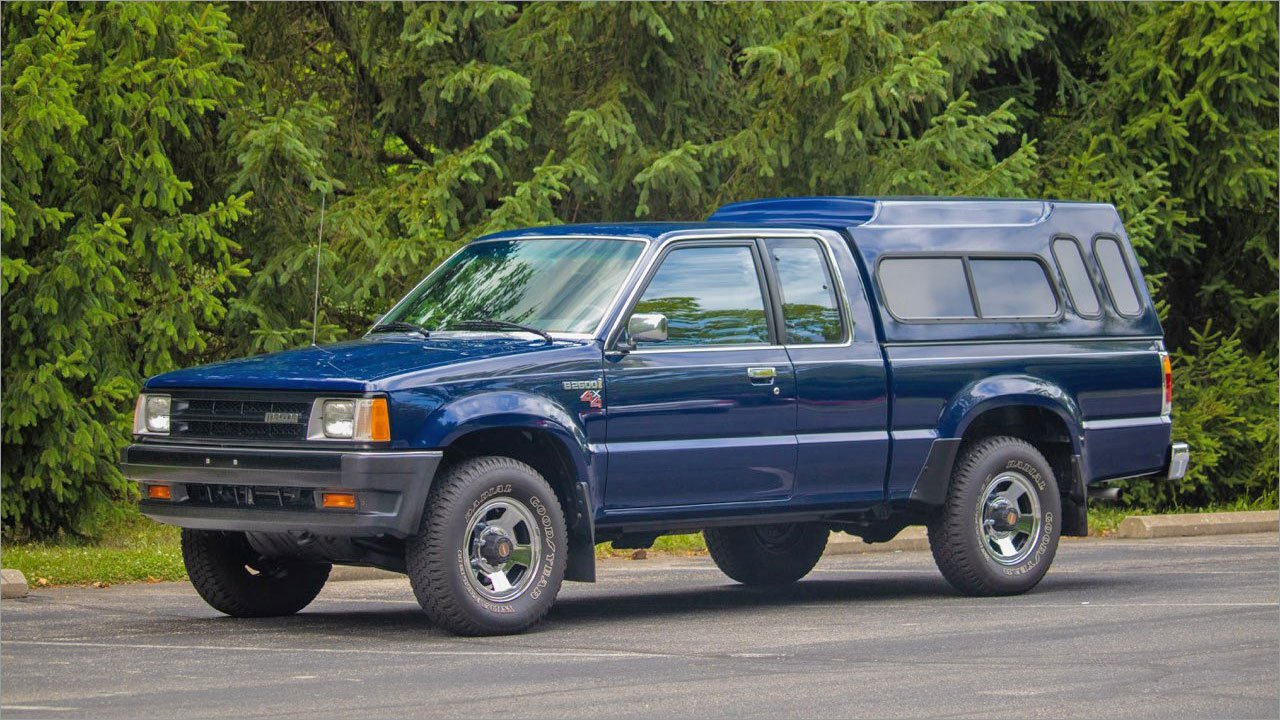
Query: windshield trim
[604,319]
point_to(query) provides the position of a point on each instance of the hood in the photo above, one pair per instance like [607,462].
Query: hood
[353,366]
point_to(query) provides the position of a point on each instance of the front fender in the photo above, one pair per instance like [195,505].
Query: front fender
[1009,390]
[508,409]
[515,409]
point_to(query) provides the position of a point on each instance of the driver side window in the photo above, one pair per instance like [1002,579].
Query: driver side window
[711,295]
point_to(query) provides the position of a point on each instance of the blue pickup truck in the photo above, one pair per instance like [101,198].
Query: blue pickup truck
[788,368]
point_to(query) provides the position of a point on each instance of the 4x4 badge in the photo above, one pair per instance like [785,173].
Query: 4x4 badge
[592,398]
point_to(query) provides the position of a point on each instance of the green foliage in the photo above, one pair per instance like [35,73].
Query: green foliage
[165,167]
[130,548]
[117,263]
[1226,410]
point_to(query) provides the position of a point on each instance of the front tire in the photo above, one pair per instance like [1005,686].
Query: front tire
[491,553]
[999,530]
[767,554]
[237,580]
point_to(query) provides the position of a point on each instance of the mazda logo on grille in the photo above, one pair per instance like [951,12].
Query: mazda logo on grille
[281,417]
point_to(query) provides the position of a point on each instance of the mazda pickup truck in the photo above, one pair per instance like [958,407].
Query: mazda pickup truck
[788,368]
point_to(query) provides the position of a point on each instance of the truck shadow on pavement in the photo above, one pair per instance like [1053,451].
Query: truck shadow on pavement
[585,606]
[863,593]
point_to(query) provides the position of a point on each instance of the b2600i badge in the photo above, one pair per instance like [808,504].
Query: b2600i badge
[597,384]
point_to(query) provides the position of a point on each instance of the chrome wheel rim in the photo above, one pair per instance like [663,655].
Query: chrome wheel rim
[1009,518]
[503,549]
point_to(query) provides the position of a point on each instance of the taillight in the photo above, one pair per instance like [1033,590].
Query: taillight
[1166,406]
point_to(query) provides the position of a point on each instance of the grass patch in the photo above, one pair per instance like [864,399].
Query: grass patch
[131,548]
[679,545]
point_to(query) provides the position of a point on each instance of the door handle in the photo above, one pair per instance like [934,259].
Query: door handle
[762,375]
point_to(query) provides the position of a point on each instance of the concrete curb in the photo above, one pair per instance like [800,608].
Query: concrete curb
[13,584]
[1191,525]
[911,538]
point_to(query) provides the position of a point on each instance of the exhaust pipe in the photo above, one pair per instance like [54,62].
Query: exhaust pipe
[1107,494]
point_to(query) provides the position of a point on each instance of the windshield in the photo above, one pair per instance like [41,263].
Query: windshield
[553,285]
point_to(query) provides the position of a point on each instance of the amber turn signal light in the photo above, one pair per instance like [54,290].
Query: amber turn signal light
[159,492]
[379,423]
[337,500]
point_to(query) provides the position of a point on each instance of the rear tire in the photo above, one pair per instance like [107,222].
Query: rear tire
[491,553]
[237,580]
[999,529]
[767,554]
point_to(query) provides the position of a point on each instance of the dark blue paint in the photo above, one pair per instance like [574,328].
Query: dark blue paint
[690,427]
[685,436]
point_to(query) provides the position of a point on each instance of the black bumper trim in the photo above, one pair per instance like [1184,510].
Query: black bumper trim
[391,487]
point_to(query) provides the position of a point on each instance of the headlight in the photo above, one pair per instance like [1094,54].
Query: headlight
[339,418]
[151,415]
[359,419]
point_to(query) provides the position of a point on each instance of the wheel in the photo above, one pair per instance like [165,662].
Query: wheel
[999,529]
[491,552]
[235,579]
[767,554]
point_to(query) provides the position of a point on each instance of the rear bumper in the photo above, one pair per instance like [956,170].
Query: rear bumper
[1179,459]
[390,488]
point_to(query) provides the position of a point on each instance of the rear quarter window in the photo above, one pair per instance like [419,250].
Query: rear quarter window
[1115,271]
[1075,274]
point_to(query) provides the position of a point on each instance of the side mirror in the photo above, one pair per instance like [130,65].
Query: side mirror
[647,327]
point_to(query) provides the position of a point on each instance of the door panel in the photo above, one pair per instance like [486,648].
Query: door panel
[707,416]
[691,427]
[841,395]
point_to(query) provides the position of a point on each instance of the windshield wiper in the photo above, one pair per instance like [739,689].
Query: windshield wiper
[494,324]
[398,326]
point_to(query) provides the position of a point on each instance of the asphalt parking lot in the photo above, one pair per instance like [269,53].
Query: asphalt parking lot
[1173,628]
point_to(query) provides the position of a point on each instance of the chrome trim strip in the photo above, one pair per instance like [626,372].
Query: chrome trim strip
[203,449]
[914,434]
[1113,423]
[939,358]
[843,437]
[702,348]
[1014,341]
[700,443]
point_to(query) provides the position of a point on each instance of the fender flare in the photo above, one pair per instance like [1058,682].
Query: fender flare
[517,410]
[998,391]
[970,403]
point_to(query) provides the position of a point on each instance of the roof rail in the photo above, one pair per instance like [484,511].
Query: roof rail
[845,212]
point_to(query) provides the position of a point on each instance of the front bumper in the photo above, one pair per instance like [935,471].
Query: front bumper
[1179,459]
[215,488]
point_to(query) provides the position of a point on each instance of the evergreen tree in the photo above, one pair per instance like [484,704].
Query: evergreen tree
[165,166]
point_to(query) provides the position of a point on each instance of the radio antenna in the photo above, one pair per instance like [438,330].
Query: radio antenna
[315,308]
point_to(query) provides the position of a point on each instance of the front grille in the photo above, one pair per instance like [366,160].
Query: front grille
[239,418]
[251,496]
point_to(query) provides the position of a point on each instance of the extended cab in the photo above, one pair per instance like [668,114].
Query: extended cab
[787,368]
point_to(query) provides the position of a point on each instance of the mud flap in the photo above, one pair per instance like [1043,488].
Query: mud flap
[582,534]
[1075,502]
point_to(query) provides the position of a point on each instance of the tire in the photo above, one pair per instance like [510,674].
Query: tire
[455,560]
[977,549]
[236,580]
[767,554]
